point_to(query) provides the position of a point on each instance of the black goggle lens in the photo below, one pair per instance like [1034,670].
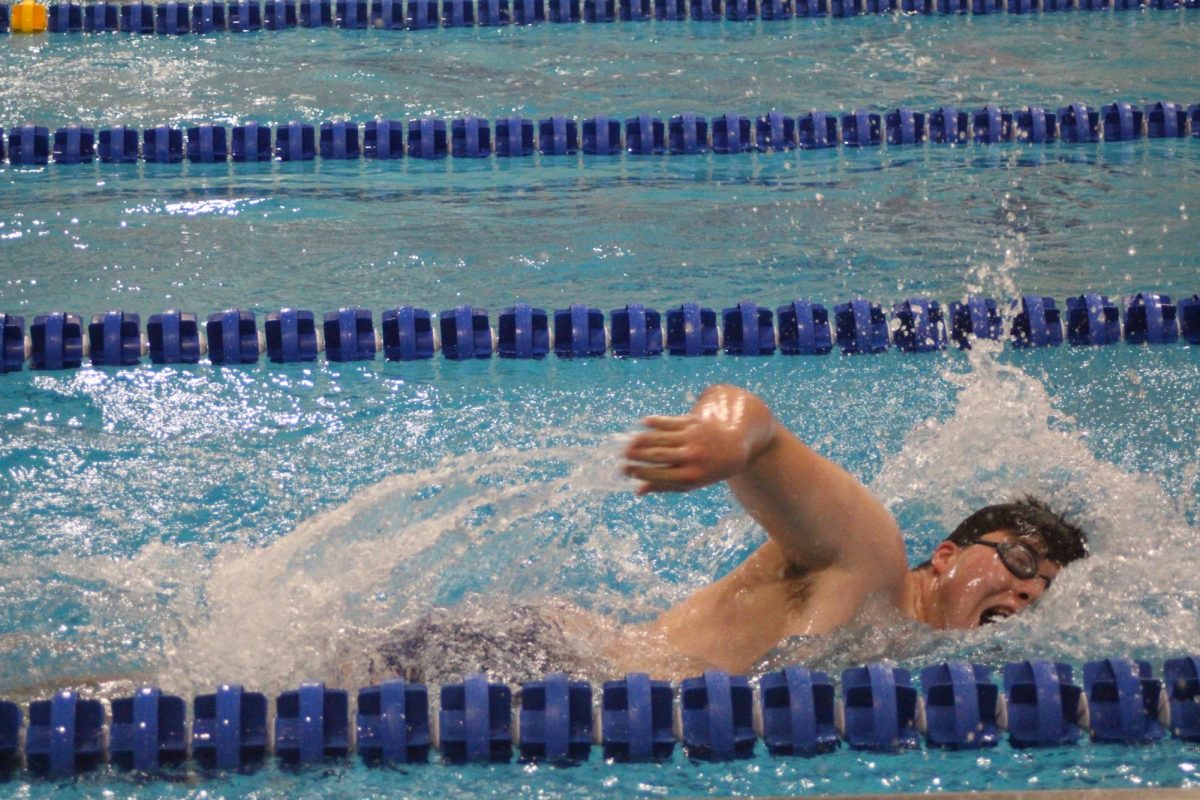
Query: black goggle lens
[1017,558]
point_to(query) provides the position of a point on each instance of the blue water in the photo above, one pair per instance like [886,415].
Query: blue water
[193,524]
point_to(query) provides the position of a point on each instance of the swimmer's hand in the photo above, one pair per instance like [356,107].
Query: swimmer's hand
[725,431]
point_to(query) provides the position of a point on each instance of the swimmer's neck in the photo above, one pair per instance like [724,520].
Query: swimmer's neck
[919,601]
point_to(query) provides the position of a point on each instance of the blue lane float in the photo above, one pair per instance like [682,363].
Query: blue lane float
[465,333]
[992,125]
[1037,322]
[921,325]
[10,736]
[950,125]
[162,144]
[407,334]
[208,16]
[514,137]
[1043,707]
[56,341]
[905,126]
[244,16]
[118,145]
[1188,310]
[148,731]
[316,14]
[880,705]
[232,337]
[798,712]
[115,339]
[475,721]
[1182,684]
[279,15]
[579,332]
[392,723]
[636,331]
[636,719]
[29,145]
[250,142]
[174,337]
[861,327]
[74,144]
[312,724]
[1092,319]
[291,336]
[687,134]
[748,330]
[427,139]
[229,728]
[137,17]
[556,720]
[349,335]
[1035,125]
[470,137]
[388,15]
[692,331]
[961,705]
[12,343]
[207,144]
[295,141]
[102,17]
[65,735]
[1150,318]
[559,135]
[804,329]
[383,139]
[645,135]
[62,18]
[976,318]
[717,716]
[1123,701]
[339,141]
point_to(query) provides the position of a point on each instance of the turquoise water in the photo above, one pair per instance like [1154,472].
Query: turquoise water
[189,525]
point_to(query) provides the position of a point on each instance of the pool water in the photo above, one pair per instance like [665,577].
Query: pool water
[190,525]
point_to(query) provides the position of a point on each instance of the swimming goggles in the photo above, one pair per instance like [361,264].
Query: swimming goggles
[1018,557]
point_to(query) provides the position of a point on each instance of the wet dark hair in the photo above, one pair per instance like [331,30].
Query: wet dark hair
[1028,518]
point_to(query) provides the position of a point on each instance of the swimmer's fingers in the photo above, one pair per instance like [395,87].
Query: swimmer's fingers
[658,446]
[673,423]
[660,456]
[664,479]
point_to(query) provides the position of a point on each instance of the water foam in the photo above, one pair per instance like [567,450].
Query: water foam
[521,525]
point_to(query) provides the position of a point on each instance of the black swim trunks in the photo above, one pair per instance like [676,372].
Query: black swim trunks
[512,644]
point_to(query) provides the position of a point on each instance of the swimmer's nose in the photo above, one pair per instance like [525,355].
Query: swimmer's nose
[1030,590]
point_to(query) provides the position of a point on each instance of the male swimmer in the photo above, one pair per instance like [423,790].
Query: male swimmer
[831,544]
[831,548]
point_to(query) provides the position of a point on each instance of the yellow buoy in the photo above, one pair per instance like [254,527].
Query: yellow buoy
[28,16]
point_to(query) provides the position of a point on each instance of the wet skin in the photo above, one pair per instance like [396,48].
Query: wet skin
[831,544]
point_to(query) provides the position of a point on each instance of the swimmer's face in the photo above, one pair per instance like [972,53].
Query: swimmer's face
[978,587]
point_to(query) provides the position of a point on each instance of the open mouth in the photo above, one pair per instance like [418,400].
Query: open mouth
[994,614]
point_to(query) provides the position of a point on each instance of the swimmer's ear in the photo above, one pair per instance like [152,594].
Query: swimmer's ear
[943,556]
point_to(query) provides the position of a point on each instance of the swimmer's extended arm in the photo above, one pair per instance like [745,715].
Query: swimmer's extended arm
[819,514]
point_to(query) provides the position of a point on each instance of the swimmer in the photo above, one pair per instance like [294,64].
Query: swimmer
[831,545]
[834,557]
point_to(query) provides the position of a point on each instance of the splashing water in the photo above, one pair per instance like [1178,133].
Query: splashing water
[486,535]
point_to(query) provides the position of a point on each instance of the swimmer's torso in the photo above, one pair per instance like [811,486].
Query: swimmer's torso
[733,623]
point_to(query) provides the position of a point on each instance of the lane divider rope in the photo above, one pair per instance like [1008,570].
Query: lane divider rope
[61,340]
[716,716]
[177,18]
[643,135]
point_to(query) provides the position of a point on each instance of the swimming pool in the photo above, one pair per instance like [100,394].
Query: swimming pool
[197,524]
